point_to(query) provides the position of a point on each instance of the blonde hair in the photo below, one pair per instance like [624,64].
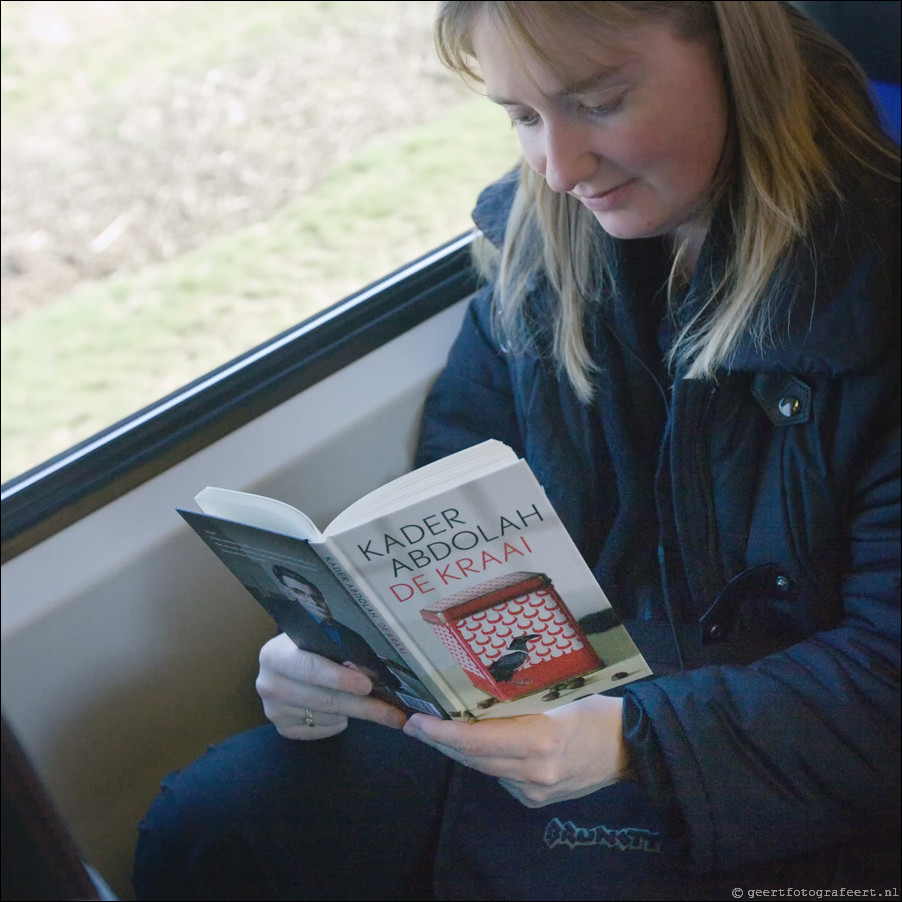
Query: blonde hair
[801,125]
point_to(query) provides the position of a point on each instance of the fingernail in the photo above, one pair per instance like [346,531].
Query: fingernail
[412,725]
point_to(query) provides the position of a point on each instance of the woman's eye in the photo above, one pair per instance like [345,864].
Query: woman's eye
[606,108]
[525,119]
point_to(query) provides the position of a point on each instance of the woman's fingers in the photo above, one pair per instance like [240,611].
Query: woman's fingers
[307,696]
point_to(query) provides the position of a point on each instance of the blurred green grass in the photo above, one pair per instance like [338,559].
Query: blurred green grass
[93,356]
[139,336]
[53,58]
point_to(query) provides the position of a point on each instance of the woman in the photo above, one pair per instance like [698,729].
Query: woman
[690,330]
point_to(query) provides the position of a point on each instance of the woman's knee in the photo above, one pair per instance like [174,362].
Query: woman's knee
[261,813]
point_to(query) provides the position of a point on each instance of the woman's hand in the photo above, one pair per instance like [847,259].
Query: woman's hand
[298,687]
[565,753]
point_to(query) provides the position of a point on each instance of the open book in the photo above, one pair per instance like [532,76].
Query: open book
[455,587]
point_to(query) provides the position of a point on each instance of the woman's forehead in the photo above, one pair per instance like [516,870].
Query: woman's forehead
[569,60]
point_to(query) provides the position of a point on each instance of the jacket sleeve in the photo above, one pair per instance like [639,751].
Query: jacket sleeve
[798,751]
[472,399]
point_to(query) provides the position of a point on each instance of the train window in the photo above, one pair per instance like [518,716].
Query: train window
[182,181]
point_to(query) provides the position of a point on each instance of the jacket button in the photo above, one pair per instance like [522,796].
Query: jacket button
[782,582]
[789,406]
[715,631]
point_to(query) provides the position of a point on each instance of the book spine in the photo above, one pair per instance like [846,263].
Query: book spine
[391,629]
[362,601]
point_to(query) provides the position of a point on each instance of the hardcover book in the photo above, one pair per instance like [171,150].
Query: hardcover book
[455,587]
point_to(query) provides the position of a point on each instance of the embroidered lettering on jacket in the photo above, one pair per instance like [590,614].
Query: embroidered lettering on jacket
[624,839]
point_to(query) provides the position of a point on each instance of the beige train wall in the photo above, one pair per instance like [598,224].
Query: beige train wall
[127,648]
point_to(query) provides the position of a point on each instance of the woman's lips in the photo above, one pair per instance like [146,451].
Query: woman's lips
[605,200]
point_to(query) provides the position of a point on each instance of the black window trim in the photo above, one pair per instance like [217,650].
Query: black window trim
[55,494]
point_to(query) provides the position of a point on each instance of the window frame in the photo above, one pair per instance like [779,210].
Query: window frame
[71,485]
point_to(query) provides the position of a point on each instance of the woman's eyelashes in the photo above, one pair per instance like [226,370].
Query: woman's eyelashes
[527,118]
[604,109]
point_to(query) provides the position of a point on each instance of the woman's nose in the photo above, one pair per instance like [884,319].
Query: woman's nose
[569,157]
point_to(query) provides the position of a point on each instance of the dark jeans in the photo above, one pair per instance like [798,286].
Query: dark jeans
[260,817]
[373,815]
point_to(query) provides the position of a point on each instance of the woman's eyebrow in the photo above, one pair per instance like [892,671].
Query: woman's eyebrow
[594,82]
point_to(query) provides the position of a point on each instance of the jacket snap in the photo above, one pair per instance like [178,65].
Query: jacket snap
[785,399]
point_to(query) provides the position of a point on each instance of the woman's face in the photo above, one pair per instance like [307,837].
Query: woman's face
[631,123]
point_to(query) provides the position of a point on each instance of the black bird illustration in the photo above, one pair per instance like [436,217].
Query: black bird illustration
[508,664]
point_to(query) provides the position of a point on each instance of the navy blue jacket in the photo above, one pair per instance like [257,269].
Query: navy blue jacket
[755,516]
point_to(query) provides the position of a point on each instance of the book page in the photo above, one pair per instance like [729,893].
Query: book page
[257,510]
[440,475]
[278,516]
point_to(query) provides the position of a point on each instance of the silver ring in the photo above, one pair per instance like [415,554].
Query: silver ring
[308,718]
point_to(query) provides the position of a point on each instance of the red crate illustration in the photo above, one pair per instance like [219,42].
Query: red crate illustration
[512,635]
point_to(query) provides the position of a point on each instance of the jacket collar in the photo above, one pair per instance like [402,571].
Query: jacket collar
[835,302]
[493,207]
[832,300]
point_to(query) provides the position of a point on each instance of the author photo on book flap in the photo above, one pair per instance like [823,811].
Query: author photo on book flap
[299,591]
[312,617]
[305,615]
[688,328]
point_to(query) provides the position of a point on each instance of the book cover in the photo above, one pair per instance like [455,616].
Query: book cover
[483,582]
